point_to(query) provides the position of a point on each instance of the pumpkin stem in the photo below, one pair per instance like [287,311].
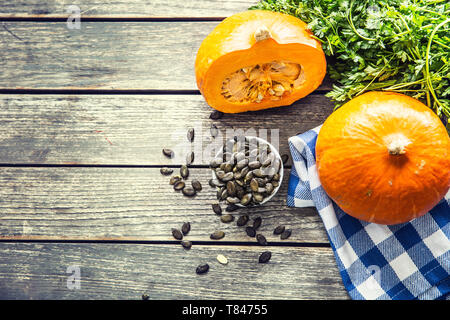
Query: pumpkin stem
[262,33]
[397,146]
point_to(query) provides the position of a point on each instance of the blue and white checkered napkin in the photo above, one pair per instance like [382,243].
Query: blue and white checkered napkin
[404,261]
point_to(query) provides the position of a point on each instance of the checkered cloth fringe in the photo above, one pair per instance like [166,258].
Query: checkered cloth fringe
[403,261]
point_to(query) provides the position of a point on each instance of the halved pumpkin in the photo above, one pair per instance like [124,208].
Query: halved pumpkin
[256,60]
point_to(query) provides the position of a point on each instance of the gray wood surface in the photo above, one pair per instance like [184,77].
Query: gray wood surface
[84,114]
[126,271]
[129,8]
[101,55]
[131,204]
[133,129]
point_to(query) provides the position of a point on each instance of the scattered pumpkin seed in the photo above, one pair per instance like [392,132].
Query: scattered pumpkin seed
[215,115]
[257,223]
[250,231]
[177,234]
[265,257]
[190,134]
[286,234]
[278,230]
[189,191]
[284,158]
[196,185]
[168,152]
[242,221]
[201,269]
[166,171]
[261,239]
[184,171]
[179,185]
[217,209]
[217,235]
[186,228]
[226,218]
[186,244]
[174,179]
[222,259]
[190,158]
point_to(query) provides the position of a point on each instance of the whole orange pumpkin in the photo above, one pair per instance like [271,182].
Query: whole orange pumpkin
[256,60]
[384,158]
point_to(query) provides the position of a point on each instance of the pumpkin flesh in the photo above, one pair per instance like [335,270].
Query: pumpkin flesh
[384,158]
[272,50]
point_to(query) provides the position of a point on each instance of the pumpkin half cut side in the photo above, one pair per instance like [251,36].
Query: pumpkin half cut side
[384,157]
[256,60]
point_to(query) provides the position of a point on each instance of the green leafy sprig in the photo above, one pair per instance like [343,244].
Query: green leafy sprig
[393,45]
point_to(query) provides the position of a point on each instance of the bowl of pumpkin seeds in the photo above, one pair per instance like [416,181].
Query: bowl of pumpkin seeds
[247,171]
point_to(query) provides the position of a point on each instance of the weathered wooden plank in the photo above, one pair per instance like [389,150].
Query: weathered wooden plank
[120,8]
[101,55]
[133,129]
[131,204]
[126,271]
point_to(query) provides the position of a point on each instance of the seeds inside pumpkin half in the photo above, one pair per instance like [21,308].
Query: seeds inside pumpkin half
[268,80]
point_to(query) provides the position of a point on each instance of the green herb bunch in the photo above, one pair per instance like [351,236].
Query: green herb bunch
[393,45]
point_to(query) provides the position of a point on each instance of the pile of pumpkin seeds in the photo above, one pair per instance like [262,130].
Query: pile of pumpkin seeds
[246,171]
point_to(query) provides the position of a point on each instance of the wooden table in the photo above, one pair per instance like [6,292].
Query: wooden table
[84,116]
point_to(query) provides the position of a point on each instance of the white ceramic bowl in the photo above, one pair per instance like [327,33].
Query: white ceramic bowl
[277,155]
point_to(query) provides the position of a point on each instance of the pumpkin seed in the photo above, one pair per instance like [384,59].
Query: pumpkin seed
[224,194]
[278,230]
[201,269]
[233,200]
[222,259]
[258,197]
[226,218]
[286,234]
[241,164]
[261,239]
[214,131]
[189,191]
[174,179]
[184,171]
[228,167]
[177,234]
[215,115]
[179,185]
[231,208]
[186,244]
[251,232]
[284,158]
[220,174]
[259,173]
[265,257]
[242,221]
[196,185]
[254,185]
[246,199]
[231,188]
[217,209]
[217,235]
[190,158]
[254,165]
[168,153]
[257,222]
[190,134]
[186,228]
[227,177]
[166,171]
